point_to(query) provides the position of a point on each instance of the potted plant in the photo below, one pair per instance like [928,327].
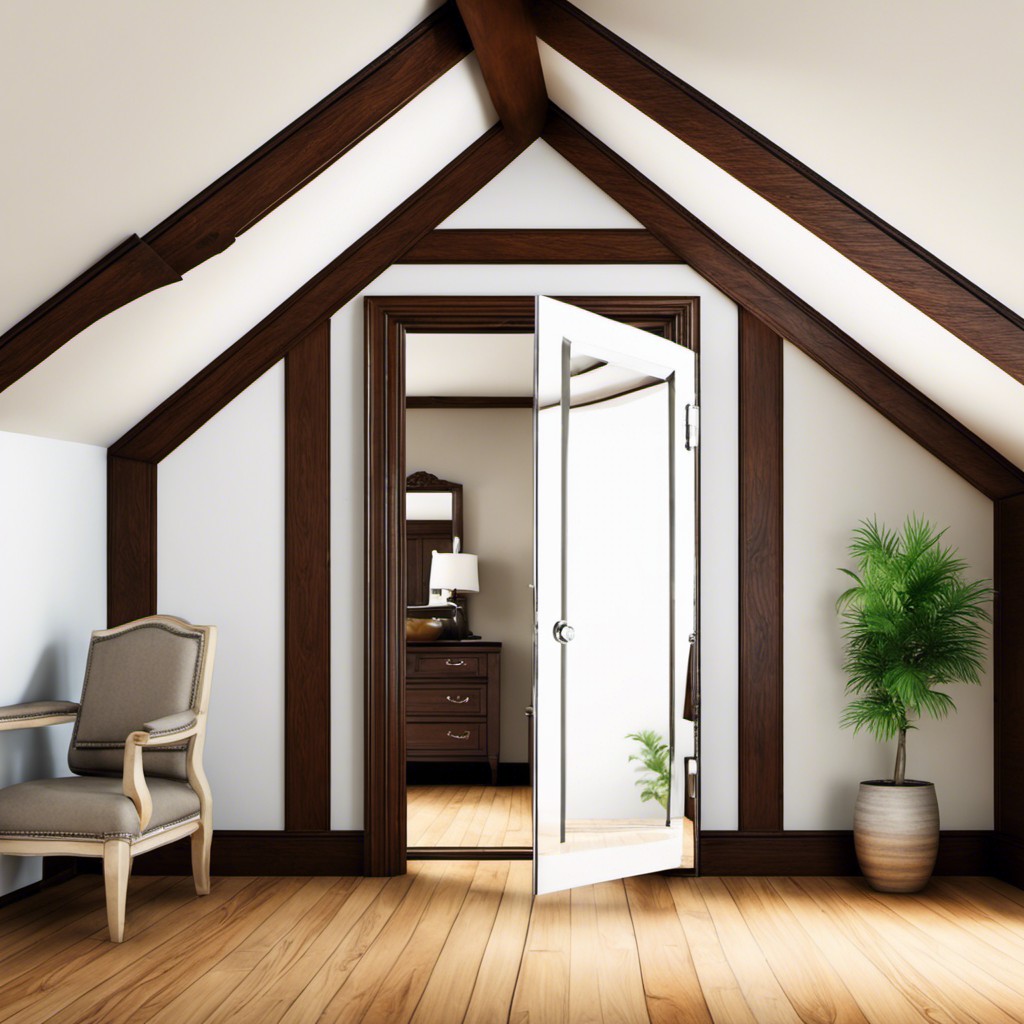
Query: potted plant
[912,624]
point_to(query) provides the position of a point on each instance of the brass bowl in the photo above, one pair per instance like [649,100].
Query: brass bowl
[423,629]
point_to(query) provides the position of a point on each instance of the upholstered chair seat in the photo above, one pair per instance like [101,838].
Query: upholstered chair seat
[137,754]
[91,807]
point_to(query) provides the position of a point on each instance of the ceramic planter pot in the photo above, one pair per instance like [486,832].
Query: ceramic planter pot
[896,833]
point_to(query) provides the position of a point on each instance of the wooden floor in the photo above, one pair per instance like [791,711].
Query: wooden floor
[462,941]
[469,816]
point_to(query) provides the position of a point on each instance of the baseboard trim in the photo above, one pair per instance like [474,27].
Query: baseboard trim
[257,852]
[442,773]
[831,853]
[470,853]
[1008,859]
[46,882]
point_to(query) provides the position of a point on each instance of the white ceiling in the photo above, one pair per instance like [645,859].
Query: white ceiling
[458,365]
[913,107]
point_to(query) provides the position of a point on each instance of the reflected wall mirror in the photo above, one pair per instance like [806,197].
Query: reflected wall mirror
[433,519]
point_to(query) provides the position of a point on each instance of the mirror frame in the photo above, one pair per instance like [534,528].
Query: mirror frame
[423,481]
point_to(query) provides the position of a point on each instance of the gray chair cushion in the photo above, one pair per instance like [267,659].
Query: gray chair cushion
[89,807]
[140,675]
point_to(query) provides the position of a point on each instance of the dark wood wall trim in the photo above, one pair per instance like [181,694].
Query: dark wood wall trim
[259,853]
[210,222]
[307,605]
[131,539]
[760,562]
[229,374]
[506,45]
[920,277]
[827,853]
[1008,628]
[786,314]
[468,402]
[387,320]
[539,246]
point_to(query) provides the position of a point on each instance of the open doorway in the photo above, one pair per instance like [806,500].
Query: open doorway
[390,697]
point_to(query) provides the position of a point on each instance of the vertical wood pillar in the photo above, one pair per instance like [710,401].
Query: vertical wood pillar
[131,539]
[308,583]
[760,570]
[1008,636]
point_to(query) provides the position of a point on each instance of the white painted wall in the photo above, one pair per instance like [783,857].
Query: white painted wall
[719,497]
[845,462]
[53,553]
[221,561]
[490,452]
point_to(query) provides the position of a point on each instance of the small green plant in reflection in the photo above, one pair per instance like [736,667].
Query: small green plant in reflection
[654,761]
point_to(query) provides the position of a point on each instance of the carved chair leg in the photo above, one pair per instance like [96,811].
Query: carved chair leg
[201,840]
[117,866]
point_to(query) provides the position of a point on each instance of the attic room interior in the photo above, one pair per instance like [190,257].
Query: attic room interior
[436,440]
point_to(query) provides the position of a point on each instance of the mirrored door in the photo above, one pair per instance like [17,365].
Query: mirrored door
[615,572]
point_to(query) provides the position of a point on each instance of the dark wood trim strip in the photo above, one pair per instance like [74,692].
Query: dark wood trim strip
[506,46]
[470,853]
[387,320]
[1008,858]
[259,853]
[307,559]
[48,881]
[125,273]
[827,853]
[760,560]
[1008,635]
[210,222]
[920,277]
[131,539]
[229,374]
[468,402]
[785,313]
[540,246]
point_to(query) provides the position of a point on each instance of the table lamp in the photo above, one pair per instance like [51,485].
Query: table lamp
[450,573]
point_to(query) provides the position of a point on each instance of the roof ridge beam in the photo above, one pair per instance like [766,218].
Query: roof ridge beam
[784,312]
[208,223]
[506,45]
[907,268]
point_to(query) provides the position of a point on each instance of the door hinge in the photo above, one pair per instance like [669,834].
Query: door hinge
[692,427]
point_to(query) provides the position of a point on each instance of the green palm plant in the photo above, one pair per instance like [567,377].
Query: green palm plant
[911,623]
[656,762]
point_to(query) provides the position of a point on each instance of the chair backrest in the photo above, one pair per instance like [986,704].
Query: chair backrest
[136,673]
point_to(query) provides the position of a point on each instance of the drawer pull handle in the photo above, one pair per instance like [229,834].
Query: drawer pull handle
[456,700]
[459,736]
[454,663]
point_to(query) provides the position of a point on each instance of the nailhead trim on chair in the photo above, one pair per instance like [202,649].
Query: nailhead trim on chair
[35,714]
[134,837]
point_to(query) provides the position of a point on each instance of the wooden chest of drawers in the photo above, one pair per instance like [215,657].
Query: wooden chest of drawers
[453,702]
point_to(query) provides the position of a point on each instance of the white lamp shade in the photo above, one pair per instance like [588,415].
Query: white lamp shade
[454,572]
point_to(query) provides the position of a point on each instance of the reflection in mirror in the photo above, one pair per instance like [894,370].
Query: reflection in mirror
[433,514]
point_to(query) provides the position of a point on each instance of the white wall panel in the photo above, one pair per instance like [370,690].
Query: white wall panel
[844,462]
[53,551]
[221,561]
[719,503]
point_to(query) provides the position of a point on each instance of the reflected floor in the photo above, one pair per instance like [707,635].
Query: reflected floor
[480,816]
[593,834]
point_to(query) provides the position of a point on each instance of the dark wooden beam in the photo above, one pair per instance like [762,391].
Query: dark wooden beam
[1008,628]
[506,46]
[125,273]
[920,277]
[785,313]
[307,559]
[211,389]
[210,222]
[131,540]
[540,245]
[468,402]
[760,561]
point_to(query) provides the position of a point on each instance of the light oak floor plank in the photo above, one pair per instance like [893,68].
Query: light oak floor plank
[466,942]
[476,816]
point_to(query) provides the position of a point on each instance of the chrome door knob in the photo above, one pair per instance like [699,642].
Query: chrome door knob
[564,633]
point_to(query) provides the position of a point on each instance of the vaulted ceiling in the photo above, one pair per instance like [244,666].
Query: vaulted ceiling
[125,112]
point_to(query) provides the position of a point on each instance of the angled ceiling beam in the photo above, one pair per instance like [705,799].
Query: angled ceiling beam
[539,245]
[210,222]
[192,405]
[506,46]
[920,277]
[785,313]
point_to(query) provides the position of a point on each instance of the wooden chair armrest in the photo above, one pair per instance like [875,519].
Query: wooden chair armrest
[36,713]
[164,732]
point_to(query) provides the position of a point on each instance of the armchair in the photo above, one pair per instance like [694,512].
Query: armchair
[136,751]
